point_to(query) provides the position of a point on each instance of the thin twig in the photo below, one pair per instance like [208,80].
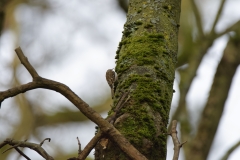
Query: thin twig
[3,144]
[33,146]
[198,18]
[229,29]
[15,146]
[111,119]
[49,139]
[22,154]
[122,101]
[177,144]
[230,150]
[79,147]
[217,16]
[85,152]
[27,65]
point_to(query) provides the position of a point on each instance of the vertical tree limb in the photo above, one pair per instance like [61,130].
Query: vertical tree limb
[146,59]
[213,110]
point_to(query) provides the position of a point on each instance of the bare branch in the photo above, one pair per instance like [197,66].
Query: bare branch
[198,18]
[49,139]
[229,29]
[85,152]
[111,119]
[21,153]
[26,64]
[177,144]
[90,146]
[105,126]
[15,146]
[3,144]
[228,153]
[32,146]
[79,147]
[217,16]
[100,134]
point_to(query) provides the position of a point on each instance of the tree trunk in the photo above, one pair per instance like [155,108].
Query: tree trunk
[146,59]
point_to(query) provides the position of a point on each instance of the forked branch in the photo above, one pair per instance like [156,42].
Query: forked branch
[36,147]
[104,125]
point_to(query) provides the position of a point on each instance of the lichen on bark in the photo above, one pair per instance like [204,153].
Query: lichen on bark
[146,59]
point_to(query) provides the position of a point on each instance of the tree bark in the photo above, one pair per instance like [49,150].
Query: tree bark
[146,59]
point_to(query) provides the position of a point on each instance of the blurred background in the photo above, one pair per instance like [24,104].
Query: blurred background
[74,42]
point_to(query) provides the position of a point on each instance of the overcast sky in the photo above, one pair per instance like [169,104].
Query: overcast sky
[80,39]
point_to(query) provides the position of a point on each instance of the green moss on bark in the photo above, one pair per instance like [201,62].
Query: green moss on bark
[140,50]
[146,59]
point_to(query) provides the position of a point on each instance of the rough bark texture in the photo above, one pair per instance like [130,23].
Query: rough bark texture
[146,60]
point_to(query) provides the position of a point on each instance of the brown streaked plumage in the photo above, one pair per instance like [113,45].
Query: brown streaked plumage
[111,78]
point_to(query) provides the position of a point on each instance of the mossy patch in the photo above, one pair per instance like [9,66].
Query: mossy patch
[138,126]
[148,91]
[141,50]
[144,64]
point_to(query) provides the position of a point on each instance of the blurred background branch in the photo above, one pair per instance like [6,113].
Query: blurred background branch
[75,43]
